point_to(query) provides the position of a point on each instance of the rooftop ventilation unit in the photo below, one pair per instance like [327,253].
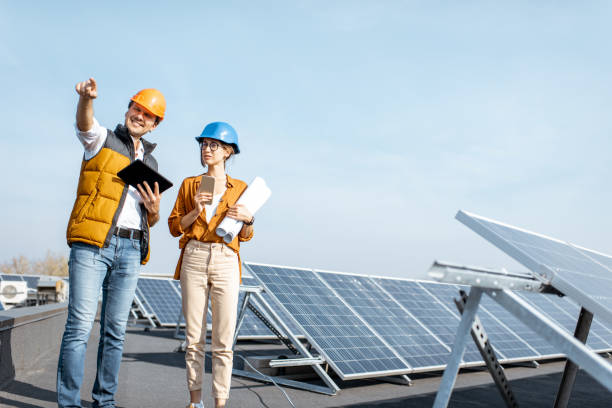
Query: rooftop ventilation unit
[13,292]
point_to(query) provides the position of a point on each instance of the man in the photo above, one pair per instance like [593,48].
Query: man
[108,233]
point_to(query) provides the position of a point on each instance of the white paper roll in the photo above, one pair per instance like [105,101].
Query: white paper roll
[253,198]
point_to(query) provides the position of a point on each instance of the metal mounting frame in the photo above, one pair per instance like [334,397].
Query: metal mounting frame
[574,349]
[256,302]
[487,352]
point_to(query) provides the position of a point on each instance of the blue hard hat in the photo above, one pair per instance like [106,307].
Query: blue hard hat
[221,131]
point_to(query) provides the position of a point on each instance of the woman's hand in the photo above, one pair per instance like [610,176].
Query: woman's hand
[200,200]
[239,212]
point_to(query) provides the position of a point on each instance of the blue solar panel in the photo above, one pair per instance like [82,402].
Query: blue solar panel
[348,345]
[177,287]
[389,319]
[252,326]
[32,281]
[142,303]
[600,336]
[9,277]
[534,340]
[161,298]
[430,312]
[553,306]
[582,274]
[280,311]
[507,345]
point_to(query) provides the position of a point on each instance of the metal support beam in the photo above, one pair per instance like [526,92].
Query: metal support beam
[401,380]
[242,311]
[296,362]
[296,343]
[569,374]
[283,381]
[258,305]
[488,355]
[177,329]
[452,368]
[576,351]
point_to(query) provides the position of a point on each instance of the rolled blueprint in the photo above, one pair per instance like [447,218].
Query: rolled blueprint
[256,194]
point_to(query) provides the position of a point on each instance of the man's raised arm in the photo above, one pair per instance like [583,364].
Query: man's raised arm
[88,91]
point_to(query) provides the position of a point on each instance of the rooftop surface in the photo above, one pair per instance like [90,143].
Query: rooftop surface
[153,375]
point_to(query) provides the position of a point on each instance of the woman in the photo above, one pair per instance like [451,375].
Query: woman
[207,266]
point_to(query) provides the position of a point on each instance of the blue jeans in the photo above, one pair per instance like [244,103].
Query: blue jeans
[115,271]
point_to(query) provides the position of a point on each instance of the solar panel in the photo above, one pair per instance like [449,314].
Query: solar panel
[10,277]
[252,327]
[553,307]
[347,344]
[280,311]
[142,303]
[582,274]
[162,298]
[177,287]
[32,281]
[507,345]
[599,334]
[535,341]
[416,344]
[430,312]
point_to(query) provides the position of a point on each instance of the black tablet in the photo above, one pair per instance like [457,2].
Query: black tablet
[137,172]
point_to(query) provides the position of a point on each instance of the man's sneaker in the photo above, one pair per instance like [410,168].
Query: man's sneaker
[196,405]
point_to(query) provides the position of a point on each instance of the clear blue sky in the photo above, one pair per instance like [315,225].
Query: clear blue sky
[373,122]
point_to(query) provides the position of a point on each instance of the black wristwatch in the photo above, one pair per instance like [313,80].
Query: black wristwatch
[250,222]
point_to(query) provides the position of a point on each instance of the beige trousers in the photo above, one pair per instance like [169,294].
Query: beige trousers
[210,269]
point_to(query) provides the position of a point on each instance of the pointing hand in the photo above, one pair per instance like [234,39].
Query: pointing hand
[87,89]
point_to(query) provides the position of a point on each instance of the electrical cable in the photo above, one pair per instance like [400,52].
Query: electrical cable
[209,354]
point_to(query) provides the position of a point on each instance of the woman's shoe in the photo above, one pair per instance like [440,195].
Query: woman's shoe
[196,405]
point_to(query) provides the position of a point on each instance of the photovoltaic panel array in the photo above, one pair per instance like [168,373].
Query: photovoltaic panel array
[392,322]
[10,277]
[348,345]
[582,274]
[32,281]
[254,328]
[565,314]
[507,344]
[161,298]
[433,314]
[416,320]
[541,346]
[142,303]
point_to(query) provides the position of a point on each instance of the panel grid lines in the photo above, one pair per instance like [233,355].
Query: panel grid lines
[580,273]
[353,350]
[400,330]
[362,316]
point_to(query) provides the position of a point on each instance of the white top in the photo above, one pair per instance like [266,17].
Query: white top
[92,141]
[212,207]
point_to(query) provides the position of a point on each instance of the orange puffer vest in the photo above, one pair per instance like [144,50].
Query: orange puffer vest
[101,193]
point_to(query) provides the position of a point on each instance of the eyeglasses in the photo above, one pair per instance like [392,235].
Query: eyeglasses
[213,145]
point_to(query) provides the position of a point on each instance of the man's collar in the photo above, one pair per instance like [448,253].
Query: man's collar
[123,133]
